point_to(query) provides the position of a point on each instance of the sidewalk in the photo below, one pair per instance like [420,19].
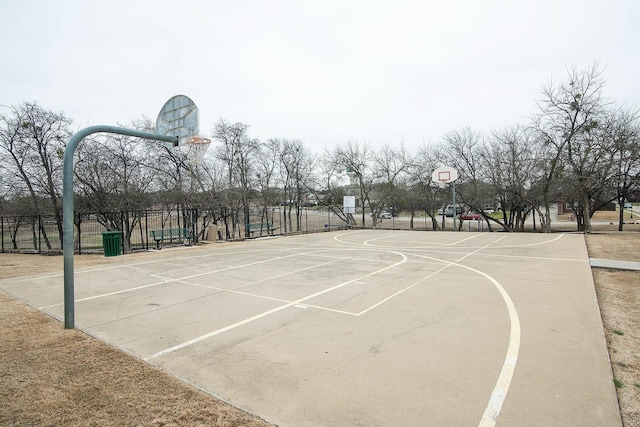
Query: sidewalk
[614,264]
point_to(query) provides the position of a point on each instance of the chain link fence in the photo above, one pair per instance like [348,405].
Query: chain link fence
[40,233]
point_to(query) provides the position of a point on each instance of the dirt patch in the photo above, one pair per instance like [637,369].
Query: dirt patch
[50,376]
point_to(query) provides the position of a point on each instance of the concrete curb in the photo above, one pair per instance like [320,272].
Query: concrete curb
[614,264]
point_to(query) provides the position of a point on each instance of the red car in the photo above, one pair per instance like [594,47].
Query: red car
[470,216]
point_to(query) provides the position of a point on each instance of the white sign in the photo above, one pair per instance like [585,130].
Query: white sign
[349,204]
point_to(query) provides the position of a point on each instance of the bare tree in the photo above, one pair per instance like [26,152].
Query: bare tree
[355,159]
[625,133]
[114,182]
[464,152]
[296,165]
[238,152]
[571,112]
[267,166]
[329,187]
[509,170]
[32,141]
[390,167]
[427,194]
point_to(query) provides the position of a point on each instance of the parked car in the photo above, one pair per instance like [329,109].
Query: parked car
[470,216]
[628,205]
[385,215]
[449,210]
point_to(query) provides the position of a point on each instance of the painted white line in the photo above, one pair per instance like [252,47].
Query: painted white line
[367,242]
[432,247]
[390,297]
[290,272]
[165,280]
[232,291]
[169,280]
[535,244]
[464,240]
[333,310]
[499,393]
[163,260]
[269,312]
[500,390]
[448,264]
[350,258]
[112,293]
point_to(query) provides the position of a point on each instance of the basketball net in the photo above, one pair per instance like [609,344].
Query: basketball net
[196,147]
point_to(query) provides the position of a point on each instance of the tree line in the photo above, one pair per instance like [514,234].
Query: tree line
[578,148]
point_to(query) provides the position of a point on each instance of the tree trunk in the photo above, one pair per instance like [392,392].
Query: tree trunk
[586,214]
[546,223]
[621,214]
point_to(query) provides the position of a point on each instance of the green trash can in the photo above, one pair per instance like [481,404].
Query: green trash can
[112,243]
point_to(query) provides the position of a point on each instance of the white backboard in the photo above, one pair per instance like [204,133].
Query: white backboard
[179,117]
[444,175]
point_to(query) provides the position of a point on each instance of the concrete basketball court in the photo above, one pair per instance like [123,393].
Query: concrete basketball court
[363,328]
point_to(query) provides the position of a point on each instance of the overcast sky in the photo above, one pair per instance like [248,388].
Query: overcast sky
[321,71]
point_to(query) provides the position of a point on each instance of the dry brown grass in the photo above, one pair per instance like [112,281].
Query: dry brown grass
[50,376]
[619,299]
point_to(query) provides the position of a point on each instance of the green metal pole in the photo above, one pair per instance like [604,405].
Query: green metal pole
[67,205]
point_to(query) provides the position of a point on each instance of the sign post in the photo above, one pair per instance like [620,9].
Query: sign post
[349,207]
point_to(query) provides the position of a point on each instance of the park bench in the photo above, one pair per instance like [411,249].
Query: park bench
[171,234]
[259,226]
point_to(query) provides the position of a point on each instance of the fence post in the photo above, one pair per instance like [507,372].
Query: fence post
[2,226]
[39,234]
[194,224]
[79,233]
[146,229]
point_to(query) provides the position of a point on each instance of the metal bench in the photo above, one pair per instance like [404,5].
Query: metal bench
[171,234]
[259,227]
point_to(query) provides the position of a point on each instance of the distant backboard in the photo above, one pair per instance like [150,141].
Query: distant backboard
[444,175]
[179,117]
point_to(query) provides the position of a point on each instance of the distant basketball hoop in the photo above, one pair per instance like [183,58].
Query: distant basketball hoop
[444,175]
[196,147]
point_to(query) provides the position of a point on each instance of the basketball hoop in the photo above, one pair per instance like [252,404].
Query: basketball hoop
[196,147]
[444,175]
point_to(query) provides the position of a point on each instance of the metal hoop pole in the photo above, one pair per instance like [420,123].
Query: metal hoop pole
[67,205]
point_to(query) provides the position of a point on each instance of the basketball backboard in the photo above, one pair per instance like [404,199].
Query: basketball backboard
[444,175]
[179,117]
